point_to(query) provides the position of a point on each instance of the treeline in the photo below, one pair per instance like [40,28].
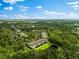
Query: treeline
[64,43]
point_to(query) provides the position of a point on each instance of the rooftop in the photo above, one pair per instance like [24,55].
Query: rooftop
[34,44]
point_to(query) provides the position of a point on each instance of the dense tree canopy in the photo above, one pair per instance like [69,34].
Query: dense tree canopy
[60,34]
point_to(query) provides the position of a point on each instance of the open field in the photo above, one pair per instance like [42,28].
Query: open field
[43,47]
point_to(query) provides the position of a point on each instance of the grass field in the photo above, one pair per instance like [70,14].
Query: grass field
[43,47]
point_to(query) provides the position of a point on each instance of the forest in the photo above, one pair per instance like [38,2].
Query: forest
[62,36]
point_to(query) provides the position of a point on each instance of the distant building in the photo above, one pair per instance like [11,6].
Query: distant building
[77,30]
[40,34]
[17,30]
[39,42]
[44,34]
[20,33]
[23,34]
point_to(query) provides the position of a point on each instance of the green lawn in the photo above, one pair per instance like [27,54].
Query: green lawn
[43,47]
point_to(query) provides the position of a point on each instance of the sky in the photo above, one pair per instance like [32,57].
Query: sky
[39,9]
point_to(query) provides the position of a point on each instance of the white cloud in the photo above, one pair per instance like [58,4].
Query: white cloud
[49,15]
[53,13]
[8,8]
[71,15]
[45,15]
[73,3]
[20,16]
[39,7]
[26,16]
[0,4]
[75,6]
[12,1]
[3,16]
[38,17]
[24,8]
[61,15]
